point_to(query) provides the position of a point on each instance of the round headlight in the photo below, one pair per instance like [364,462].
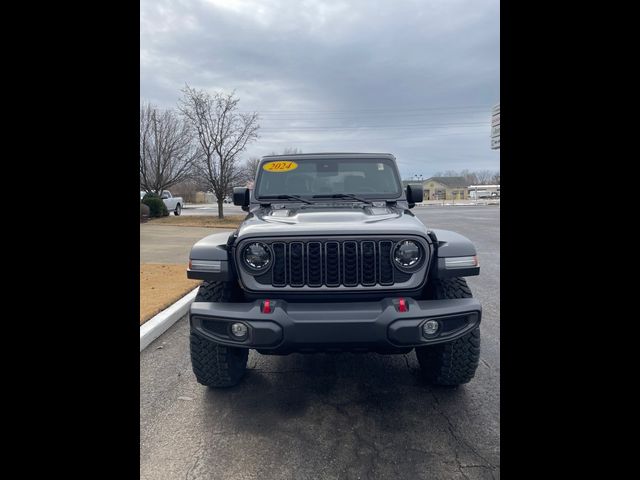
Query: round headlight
[407,254]
[257,256]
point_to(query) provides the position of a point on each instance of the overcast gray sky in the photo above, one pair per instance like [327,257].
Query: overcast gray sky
[413,78]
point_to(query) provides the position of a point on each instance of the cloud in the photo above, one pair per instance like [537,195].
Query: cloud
[414,78]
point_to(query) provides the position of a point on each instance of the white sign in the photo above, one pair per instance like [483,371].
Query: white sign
[495,127]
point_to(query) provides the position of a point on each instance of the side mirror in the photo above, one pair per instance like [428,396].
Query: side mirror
[241,197]
[415,194]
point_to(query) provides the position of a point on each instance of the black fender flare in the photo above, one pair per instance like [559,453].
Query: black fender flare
[210,260]
[450,244]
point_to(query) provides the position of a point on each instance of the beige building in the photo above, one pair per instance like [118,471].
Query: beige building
[205,197]
[445,188]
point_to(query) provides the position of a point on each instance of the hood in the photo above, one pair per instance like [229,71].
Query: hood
[343,219]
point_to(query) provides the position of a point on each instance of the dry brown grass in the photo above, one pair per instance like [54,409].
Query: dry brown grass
[211,221]
[162,285]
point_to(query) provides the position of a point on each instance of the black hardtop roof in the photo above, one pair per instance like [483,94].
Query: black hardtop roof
[341,155]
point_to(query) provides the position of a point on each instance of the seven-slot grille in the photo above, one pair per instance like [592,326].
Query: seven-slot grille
[332,263]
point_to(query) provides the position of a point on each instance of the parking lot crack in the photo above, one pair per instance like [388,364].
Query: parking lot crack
[425,452]
[461,470]
[362,440]
[375,452]
[486,467]
[195,459]
[460,441]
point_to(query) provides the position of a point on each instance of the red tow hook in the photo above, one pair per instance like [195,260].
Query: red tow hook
[266,306]
[402,305]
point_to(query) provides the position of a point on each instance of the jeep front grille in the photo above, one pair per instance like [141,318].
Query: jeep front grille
[332,263]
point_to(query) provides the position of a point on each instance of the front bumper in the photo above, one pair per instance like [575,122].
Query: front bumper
[378,325]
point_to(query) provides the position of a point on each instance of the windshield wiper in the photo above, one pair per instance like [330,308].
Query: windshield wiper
[286,197]
[344,195]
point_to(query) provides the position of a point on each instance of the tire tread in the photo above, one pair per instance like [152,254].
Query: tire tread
[216,365]
[456,362]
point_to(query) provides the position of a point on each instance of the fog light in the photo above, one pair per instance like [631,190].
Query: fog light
[430,328]
[239,330]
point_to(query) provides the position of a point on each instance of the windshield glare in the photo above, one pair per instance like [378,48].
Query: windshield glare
[311,177]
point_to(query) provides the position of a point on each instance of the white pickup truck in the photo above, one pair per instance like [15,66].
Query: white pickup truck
[174,204]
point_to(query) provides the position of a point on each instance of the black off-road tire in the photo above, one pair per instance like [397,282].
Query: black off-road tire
[452,363]
[218,292]
[178,210]
[213,364]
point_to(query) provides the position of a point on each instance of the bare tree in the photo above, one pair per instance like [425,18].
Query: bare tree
[287,151]
[477,177]
[167,152]
[222,134]
[484,177]
[187,190]
[469,177]
[249,170]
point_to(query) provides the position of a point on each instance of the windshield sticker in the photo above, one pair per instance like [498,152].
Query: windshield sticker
[381,166]
[280,166]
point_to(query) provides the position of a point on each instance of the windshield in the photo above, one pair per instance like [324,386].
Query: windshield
[307,177]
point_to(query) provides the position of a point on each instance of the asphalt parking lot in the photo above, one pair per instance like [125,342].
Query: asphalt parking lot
[330,416]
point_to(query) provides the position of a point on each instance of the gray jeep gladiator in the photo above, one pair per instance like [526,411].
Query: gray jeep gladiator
[330,258]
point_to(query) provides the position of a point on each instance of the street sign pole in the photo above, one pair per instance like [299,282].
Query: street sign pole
[495,127]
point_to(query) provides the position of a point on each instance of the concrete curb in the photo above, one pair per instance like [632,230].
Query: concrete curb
[159,324]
